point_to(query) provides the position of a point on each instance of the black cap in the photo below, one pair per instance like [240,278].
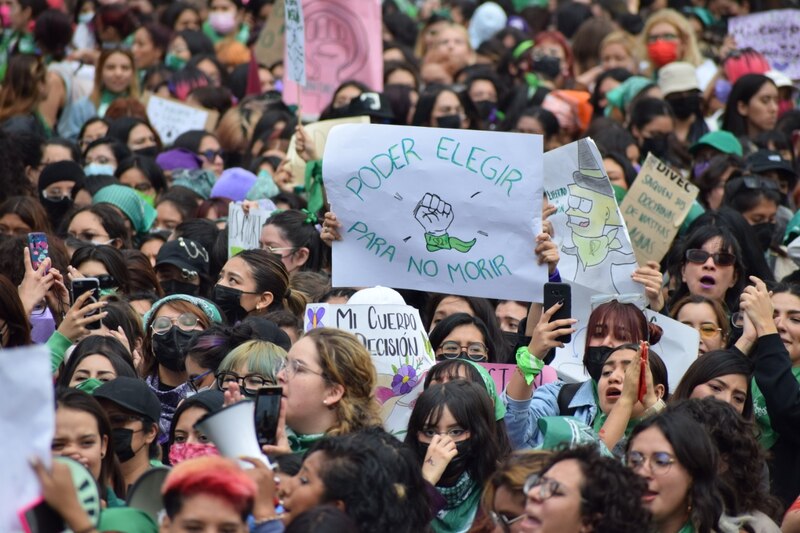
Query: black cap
[132,394]
[767,160]
[261,329]
[61,171]
[186,254]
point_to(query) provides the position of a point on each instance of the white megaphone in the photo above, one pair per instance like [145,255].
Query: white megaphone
[232,430]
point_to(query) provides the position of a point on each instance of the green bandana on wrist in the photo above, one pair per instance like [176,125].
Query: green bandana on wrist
[446,242]
[528,364]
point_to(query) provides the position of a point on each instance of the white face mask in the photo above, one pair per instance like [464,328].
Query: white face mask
[223,22]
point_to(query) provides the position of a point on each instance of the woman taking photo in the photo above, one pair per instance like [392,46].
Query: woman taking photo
[105,263]
[253,283]
[452,429]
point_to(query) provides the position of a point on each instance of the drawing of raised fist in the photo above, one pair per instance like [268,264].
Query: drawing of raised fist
[434,214]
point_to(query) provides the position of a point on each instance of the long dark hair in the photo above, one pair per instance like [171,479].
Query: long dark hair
[469,404]
[109,257]
[696,453]
[108,347]
[447,325]
[12,311]
[713,365]
[743,91]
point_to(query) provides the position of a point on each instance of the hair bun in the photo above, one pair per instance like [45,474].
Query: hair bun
[654,332]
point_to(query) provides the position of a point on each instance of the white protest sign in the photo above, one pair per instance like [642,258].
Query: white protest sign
[593,242]
[171,118]
[774,33]
[318,133]
[677,348]
[399,346]
[244,229]
[655,207]
[450,211]
[295,41]
[27,421]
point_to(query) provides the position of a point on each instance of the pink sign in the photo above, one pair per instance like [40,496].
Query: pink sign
[501,374]
[342,42]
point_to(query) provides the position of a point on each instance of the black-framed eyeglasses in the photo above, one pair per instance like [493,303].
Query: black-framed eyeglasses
[185,322]
[475,351]
[698,256]
[503,521]
[660,462]
[192,382]
[249,384]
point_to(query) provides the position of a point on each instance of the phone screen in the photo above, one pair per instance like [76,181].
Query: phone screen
[39,249]
[268,408]
[83,285]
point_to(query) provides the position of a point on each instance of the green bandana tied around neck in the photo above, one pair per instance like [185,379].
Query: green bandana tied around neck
[106,98]
[301,443]
[601,417]
[767,437]
[462,504]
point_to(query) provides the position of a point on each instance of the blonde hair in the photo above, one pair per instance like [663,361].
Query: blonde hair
[512,474]
[627,41]
[260,357]
[691,53]
[97,91]
[346,362]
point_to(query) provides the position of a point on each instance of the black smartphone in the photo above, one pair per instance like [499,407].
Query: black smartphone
[559,292]
[268,410]
[83,285]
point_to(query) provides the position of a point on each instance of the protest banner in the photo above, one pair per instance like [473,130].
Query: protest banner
[678,345]
[244,229]
[398,344]
[595,248]
[451,211]
[774,33]
[501,374]
[655,207]
[270,44]
[295,41]
[318,133]
[171,117]
[27,422]
[342,42]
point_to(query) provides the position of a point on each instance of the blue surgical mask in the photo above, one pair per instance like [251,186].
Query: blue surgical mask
[85,18]
[96,169]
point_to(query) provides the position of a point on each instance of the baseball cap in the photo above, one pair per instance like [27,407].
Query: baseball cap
[186,254]
[132,394]
[767,160]
[677,77]
[723,141]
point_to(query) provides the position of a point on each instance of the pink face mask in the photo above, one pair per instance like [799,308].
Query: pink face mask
[5,15]
[181,451]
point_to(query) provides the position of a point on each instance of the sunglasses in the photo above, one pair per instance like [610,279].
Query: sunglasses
[699,257]
[211,155]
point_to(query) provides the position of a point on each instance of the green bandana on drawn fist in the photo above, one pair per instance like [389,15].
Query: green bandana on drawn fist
[767,436]
[445,242]
[593,250]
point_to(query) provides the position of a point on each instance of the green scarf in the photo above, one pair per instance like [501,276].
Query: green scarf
[462,505]
[106,98]
[301,443]
[687,528]
[601,417]
[767,437]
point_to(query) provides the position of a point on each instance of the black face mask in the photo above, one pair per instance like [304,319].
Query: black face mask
[230,301]
[685,106]
[658,145]
[457,465]
[150,151]
[173,286]
[122,439]
[765,232]
[170,348]
[595,359]
[56,209]
[485,108]
[449,121]
[548,67]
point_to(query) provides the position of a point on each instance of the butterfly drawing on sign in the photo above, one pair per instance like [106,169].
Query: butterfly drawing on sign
[315,318]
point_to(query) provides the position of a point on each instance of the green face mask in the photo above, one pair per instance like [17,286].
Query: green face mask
[174,62]
[146,197]
[89,385]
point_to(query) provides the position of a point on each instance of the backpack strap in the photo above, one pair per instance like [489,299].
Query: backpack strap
[565,396]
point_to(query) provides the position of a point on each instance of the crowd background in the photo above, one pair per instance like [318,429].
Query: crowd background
[181,330]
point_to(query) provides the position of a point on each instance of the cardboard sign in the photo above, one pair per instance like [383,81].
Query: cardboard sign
[244,230]
[171,117]
[595,249]
[27,422]
[399,346]
[774,33]
[678,345]
[342,42]
[295,42]
[655,207]
[450,211]
[318,132]
[270,44]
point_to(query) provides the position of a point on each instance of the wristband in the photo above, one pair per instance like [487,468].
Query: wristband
[528,364]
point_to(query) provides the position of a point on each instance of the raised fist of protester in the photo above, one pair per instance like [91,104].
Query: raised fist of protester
[304,144]
[441,450]
[651,278]
[546,333]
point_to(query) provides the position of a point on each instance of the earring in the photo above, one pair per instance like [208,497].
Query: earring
[325,403]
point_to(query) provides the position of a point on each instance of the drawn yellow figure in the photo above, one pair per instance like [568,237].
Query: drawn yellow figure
[592,216]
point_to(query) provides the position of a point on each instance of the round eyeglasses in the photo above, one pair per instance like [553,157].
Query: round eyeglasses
[185,322]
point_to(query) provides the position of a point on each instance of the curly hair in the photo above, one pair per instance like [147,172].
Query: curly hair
[742,458]
[611,493]
[355,465]
[346,362]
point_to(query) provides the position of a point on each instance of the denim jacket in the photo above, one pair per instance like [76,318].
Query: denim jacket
[522,415]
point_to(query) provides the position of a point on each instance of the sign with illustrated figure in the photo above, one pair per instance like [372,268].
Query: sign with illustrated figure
[342,43]
[398,344]
[441,210]
[595,249]
[655,207]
